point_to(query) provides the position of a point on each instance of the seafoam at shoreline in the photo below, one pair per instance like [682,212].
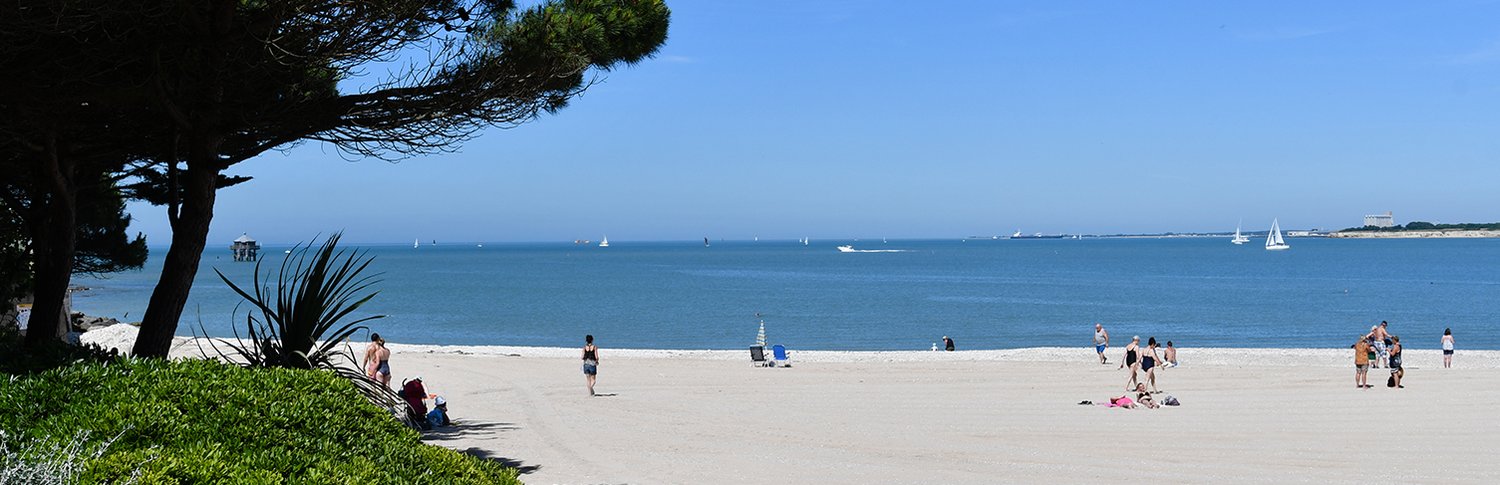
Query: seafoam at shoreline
[1472,359]
[123,337]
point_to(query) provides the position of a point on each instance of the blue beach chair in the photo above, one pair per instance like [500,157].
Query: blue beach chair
[778,353]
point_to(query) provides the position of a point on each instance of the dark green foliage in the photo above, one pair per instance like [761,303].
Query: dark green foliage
[207,422]
[15,270]
[1428,226]
[103,244]
[17,359]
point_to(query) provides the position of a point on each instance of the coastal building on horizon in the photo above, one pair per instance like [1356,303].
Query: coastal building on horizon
[244,248]
[1380,220]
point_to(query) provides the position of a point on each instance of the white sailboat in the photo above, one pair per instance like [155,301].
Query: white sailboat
[416,243]
[1273,240]
[604,243]
[1239,238]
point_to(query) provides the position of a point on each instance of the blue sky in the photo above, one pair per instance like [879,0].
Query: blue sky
[842,119]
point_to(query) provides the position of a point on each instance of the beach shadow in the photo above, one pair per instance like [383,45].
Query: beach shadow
[520,466]
[468,429]
[605,394]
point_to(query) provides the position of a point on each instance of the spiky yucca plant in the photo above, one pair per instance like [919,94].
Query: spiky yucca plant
[301,322]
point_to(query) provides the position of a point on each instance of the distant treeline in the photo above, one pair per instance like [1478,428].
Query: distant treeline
[1428,226]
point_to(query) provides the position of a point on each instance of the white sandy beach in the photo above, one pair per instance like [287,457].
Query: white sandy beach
[966,417]
[1012,416]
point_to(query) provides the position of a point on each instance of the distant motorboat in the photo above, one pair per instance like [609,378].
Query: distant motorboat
[849,248]
[604,243]
[1239,238]
[1274,242]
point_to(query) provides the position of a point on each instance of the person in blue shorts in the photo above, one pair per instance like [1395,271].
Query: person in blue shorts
[1101,342]
[590,361]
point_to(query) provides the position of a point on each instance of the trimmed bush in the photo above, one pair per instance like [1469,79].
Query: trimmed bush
[200,421]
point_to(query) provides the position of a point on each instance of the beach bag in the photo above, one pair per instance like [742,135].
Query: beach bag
[1171,401]
[1390,381]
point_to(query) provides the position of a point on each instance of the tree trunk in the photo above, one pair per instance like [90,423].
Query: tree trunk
[54,198]
[52,268]
[189,234]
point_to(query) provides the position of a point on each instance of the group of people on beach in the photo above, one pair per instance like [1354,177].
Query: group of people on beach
[1379,348]
[378,369]
[1140,361]
[1143,363]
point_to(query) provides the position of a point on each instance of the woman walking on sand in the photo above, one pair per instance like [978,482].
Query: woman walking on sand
[1132,355]
[1447,348]
[590,361]
[1149,361]
[1394,363]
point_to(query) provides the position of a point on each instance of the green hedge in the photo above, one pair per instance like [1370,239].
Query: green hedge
[205,422]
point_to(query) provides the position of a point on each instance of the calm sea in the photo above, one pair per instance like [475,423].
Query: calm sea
[986,294]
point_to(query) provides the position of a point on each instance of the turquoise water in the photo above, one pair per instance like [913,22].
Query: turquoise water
[986,294]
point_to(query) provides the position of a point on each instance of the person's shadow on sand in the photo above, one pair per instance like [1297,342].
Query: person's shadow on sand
[521,467]
[605,394]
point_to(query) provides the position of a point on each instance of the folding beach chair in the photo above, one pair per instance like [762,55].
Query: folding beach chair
[778,352]
[758,356]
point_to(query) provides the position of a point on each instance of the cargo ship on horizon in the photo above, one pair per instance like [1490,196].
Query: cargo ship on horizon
[1038,235]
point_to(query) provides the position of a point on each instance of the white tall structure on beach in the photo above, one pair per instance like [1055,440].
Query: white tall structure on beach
[1380,220]
[760,337]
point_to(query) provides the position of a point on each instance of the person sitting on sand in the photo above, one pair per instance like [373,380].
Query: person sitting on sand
[948,344]
[1101,342]
[1170,354]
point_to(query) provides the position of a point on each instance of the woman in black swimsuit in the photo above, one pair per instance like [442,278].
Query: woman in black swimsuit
[1395,363]
[1148,363]
[1131,352]
[590,361]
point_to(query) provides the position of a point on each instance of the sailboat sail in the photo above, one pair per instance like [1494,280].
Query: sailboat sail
[1274,240]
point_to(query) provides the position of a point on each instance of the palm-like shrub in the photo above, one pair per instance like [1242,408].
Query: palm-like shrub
[303,321]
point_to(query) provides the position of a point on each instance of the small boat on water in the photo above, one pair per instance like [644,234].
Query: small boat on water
[416,243]
[705,242]
[846,248]
[604,243]
[1239,238]
[1274,242]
